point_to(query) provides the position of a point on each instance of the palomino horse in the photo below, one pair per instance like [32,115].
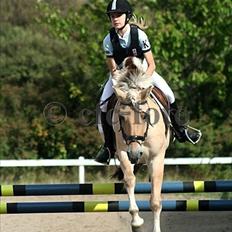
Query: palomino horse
[141,134]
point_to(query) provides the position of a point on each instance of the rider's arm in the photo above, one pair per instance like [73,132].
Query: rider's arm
[150,62]
[107,46]
[111,65]
[146,48]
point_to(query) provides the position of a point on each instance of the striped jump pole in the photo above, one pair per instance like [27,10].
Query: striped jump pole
[114,188]
[112,206]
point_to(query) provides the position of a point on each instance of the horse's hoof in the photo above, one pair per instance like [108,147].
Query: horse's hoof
[137,223]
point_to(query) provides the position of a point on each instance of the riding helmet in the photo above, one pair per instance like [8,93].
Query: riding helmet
[119,6]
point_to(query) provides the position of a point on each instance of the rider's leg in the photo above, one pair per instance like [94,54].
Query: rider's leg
[182,133]
[108,149]
[107,92]
[159,82]
[180,127]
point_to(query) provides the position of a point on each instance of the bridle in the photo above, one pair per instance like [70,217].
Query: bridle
[135,138]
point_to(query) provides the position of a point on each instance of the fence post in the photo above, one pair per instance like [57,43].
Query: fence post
[82,170]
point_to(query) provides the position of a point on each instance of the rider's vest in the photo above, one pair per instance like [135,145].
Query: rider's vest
[120,53]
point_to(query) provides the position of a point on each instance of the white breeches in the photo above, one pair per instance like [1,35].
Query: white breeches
[157,81]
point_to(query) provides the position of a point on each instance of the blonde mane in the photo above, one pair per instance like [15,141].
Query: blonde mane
[131,76]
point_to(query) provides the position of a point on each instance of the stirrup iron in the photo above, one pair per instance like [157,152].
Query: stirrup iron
[194,129]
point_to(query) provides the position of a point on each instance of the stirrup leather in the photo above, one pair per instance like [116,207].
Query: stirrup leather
[194,129]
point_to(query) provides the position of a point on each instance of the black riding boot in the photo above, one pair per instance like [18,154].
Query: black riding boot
[182,132]
[108,150]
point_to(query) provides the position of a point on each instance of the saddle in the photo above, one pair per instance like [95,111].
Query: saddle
[161,97]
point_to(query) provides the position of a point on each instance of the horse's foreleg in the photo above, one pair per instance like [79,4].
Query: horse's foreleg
[130,181]
[156,171]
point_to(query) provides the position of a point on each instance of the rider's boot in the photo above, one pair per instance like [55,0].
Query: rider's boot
[182,131]
[107,151]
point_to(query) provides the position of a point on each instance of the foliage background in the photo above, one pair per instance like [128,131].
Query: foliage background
[51,50]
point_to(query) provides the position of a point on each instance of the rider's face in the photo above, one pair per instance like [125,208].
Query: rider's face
[118,20]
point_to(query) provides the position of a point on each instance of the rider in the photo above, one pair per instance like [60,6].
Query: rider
[126,40]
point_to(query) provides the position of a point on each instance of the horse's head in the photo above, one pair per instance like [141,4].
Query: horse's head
[132,88]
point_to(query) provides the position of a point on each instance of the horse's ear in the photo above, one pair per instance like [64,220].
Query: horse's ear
[145,92]
[120,93]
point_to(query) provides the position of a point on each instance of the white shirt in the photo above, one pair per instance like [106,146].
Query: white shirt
[125,42]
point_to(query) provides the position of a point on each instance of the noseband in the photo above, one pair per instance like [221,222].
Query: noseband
[135,138]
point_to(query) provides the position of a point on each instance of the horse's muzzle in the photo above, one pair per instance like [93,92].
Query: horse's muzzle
[134,154]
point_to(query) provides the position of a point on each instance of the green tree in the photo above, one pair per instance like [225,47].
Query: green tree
[52,50]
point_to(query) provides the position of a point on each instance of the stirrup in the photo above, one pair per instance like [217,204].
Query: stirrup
[194,129]
[104,155]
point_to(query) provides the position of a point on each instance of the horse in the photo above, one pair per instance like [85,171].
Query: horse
[141,135]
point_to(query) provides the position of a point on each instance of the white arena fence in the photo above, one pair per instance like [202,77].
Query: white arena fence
[81,163]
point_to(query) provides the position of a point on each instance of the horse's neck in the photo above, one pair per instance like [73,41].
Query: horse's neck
[156,116]
[115,118]
[153,105]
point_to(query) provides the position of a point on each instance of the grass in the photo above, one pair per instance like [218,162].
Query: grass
[38,175]
[56,175]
